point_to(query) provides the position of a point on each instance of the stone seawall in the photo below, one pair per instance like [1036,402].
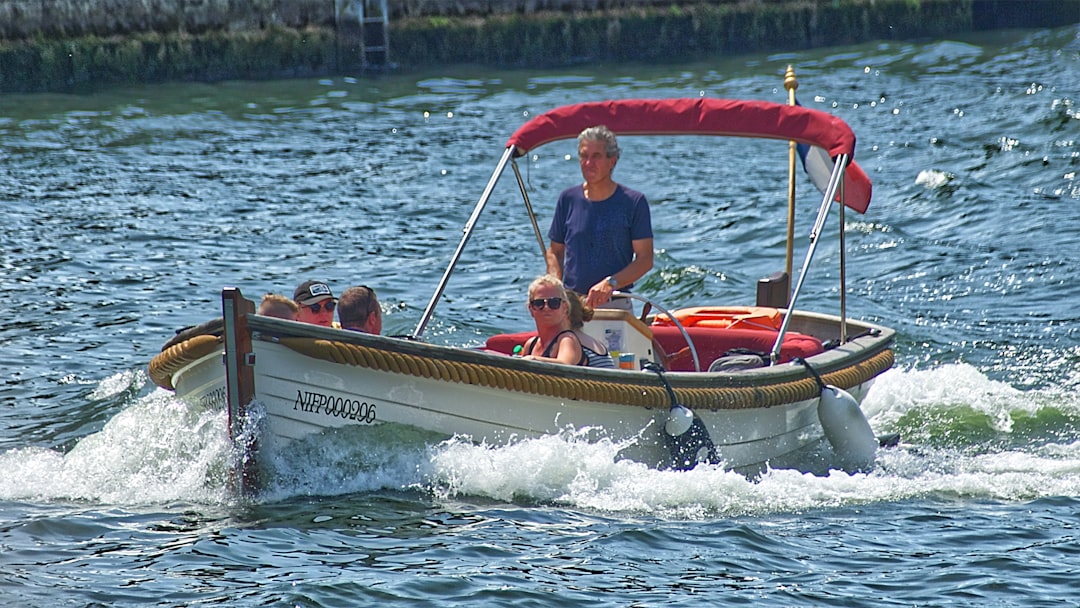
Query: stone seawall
[69,19]
[63,45]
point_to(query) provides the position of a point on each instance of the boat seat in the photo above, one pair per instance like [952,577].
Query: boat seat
[505,343]
[711,344]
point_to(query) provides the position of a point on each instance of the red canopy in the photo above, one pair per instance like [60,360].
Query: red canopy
[703,116]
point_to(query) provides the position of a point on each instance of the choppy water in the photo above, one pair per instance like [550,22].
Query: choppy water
[125,212]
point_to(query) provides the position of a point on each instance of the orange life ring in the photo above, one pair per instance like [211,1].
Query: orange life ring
[743,317]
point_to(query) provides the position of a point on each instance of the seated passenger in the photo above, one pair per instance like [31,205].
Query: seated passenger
[596,354]
[316,303]
[358,310]
[277,305]
[555,341]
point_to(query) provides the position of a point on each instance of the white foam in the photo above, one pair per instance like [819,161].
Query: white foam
[933,179]
[118,383]
[897,392]
[157,450]
[161,450]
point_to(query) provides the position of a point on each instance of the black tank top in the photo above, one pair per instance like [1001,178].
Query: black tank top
[547,351]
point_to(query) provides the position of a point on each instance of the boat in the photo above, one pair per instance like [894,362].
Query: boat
[745,387]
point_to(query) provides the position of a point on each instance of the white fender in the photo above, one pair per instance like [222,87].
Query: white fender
[679,420]
[847,430]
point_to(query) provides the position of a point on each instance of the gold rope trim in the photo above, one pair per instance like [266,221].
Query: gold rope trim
[632,392]
[784,392]
[171,360]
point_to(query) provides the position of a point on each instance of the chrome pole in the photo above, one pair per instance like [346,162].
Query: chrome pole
[843,270]
[823,212]
[528,207]
[435,297]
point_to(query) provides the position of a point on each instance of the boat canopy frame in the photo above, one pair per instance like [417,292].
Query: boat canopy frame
[689,116]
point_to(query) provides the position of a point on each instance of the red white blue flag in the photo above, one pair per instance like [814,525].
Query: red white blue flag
[818,166]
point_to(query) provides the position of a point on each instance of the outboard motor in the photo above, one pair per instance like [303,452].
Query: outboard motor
[685,434]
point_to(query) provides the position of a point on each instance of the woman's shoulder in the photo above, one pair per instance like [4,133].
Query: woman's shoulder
[567,333]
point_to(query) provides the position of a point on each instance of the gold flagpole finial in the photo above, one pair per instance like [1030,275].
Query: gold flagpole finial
[791,83]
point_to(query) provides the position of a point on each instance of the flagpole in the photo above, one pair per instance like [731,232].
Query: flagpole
[791,83]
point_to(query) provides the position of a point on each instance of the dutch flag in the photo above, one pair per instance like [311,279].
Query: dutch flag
[818,166]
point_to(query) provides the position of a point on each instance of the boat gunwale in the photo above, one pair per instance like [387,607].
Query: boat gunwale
[846,366]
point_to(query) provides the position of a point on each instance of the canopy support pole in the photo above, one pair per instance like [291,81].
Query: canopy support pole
[837,176]
[484,197]
[528,207]
[843,269]
[791,83]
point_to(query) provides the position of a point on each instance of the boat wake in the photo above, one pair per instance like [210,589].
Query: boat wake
[963,435]
[156,450]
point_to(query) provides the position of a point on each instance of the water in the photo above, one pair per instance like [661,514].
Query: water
[126,211]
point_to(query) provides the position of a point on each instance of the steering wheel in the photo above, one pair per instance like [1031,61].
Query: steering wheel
[649,304]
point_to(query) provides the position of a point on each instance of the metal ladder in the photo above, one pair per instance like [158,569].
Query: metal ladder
[374,34]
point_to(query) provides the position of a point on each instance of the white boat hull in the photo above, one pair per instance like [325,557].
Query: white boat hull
[302,395]
[309,379]
[202,382]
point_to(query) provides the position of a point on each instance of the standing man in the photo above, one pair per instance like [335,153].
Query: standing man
[601,235]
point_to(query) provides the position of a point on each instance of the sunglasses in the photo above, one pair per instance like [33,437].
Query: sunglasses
[552,303]
[318,306]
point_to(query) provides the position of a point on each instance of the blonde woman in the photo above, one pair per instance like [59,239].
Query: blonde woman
[555,341]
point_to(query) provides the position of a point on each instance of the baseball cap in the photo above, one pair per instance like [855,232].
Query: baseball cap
[310,292]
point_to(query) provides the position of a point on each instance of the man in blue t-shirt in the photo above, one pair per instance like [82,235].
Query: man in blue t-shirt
[601,233]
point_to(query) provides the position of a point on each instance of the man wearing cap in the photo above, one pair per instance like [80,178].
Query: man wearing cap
[316,303]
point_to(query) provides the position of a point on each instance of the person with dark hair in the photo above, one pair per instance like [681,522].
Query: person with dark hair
[358,310]
[601,236]
[316,303]
[596,354]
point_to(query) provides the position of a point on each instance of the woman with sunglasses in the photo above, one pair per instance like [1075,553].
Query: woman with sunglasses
[555,341]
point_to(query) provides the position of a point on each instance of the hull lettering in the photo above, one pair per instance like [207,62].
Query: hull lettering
[338,407]
[213,399]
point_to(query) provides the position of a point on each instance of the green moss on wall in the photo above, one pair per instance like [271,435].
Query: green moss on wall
[664,33]
[62,65]
[651,33]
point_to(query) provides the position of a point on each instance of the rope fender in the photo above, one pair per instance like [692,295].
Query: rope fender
[639,393]
[174,358]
